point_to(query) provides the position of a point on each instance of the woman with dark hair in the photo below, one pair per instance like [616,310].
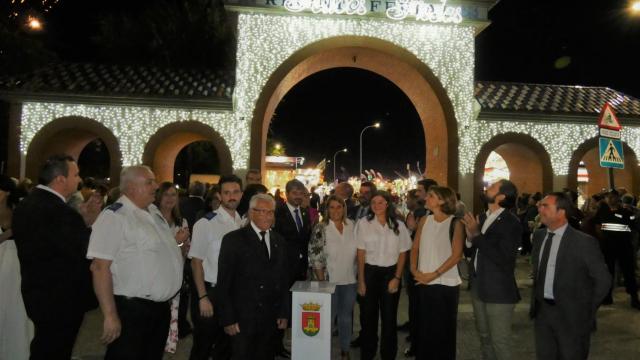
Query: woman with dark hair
[167,203]
[15,327]
[211,202]
[332,255]
[382,242]
[437,249]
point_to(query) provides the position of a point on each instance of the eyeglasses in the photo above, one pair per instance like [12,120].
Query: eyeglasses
[264,211]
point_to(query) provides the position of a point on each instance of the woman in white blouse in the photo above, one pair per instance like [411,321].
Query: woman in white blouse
[332,255]
[167,203]
[382,242]
[436,251]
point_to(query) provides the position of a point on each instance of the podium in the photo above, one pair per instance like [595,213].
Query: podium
[311,320]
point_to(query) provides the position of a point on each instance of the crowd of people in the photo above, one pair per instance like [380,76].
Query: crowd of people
[229,253]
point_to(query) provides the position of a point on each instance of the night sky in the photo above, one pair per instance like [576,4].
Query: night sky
[556,42]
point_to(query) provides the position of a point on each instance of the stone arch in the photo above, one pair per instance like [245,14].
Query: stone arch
[598,176]
[69,135]
[524,155]
[162,148]
[388,60]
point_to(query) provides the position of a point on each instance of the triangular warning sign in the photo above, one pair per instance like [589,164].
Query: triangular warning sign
[611,154]
[608,118]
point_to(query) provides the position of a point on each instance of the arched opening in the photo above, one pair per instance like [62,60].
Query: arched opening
[163,148]
[198,159]
[341,103]
[527,160]
[397,65]
[89,142]
[598,177]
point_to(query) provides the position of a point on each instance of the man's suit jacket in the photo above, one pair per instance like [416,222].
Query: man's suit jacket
[581,277]
[252,290]
[52,240]
[297,241]
[494,279]
[189,209]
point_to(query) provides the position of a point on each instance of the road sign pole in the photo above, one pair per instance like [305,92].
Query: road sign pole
[612,184]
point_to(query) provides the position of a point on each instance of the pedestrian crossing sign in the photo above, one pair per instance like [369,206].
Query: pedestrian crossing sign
[611,155]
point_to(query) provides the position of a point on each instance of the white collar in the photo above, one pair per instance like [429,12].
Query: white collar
[258,231]
[293,208]
[46,188]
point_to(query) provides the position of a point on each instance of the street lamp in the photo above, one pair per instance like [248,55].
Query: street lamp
[635,7]
[334,162]
[376,125]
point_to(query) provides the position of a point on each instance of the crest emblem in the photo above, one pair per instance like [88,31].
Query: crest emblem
[310,318]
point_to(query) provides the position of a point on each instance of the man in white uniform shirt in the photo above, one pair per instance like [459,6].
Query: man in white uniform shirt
[205,248]
[137,269]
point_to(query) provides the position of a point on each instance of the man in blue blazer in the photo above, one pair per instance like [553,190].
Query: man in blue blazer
[494,237]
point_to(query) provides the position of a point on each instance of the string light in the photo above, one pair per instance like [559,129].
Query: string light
[446,49]
[133,126]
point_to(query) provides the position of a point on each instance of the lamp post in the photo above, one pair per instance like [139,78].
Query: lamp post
[376,125]
[334,162]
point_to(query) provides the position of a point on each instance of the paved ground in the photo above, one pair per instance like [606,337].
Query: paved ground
[618,335]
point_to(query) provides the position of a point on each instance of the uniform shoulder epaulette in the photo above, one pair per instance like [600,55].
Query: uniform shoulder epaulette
[210,215]
[114,207]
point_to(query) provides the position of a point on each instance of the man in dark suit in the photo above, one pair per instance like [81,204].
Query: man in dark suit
[52,239]
[293,224]
[253,283]
[193,204]
[570,281]
[494,238]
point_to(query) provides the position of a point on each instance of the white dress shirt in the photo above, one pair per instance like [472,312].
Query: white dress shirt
[267,237]
[491,217]
[292,210]
[553,256]
[146,260]
[207,239]
[341,253]
[381,245]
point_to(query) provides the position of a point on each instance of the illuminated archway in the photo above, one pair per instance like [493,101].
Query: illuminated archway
[399,66]
[162,148]
[70,135]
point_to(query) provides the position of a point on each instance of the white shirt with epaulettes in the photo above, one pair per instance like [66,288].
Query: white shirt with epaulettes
[146,260]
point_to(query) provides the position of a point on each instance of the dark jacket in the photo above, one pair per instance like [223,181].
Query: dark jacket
[52,240]
[252,290]
[494,279]
[297,242]
[190,207]
[581,278]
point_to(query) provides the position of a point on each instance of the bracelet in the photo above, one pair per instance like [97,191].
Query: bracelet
[397,278]
[202,297]
[180,245]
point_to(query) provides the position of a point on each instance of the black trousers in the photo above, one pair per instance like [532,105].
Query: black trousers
[207,332]
[622,251]
[555,340]
[55,336]
[254,344]
[145,327]
[437,320]
[185,290]
[378,301]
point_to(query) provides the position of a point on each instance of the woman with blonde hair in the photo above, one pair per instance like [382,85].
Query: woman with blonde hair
[332,255]
[437,249]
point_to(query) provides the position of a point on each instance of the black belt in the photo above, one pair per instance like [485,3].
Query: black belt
[550,301]
[139,300]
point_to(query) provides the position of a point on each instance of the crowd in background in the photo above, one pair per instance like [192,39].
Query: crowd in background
[363,242]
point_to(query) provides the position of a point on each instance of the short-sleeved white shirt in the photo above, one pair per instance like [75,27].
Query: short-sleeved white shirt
[207,239]
[146,260]
[381,245]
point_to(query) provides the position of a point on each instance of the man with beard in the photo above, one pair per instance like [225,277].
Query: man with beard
[205,248]
[292,222]
[495,236]
[367,189]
